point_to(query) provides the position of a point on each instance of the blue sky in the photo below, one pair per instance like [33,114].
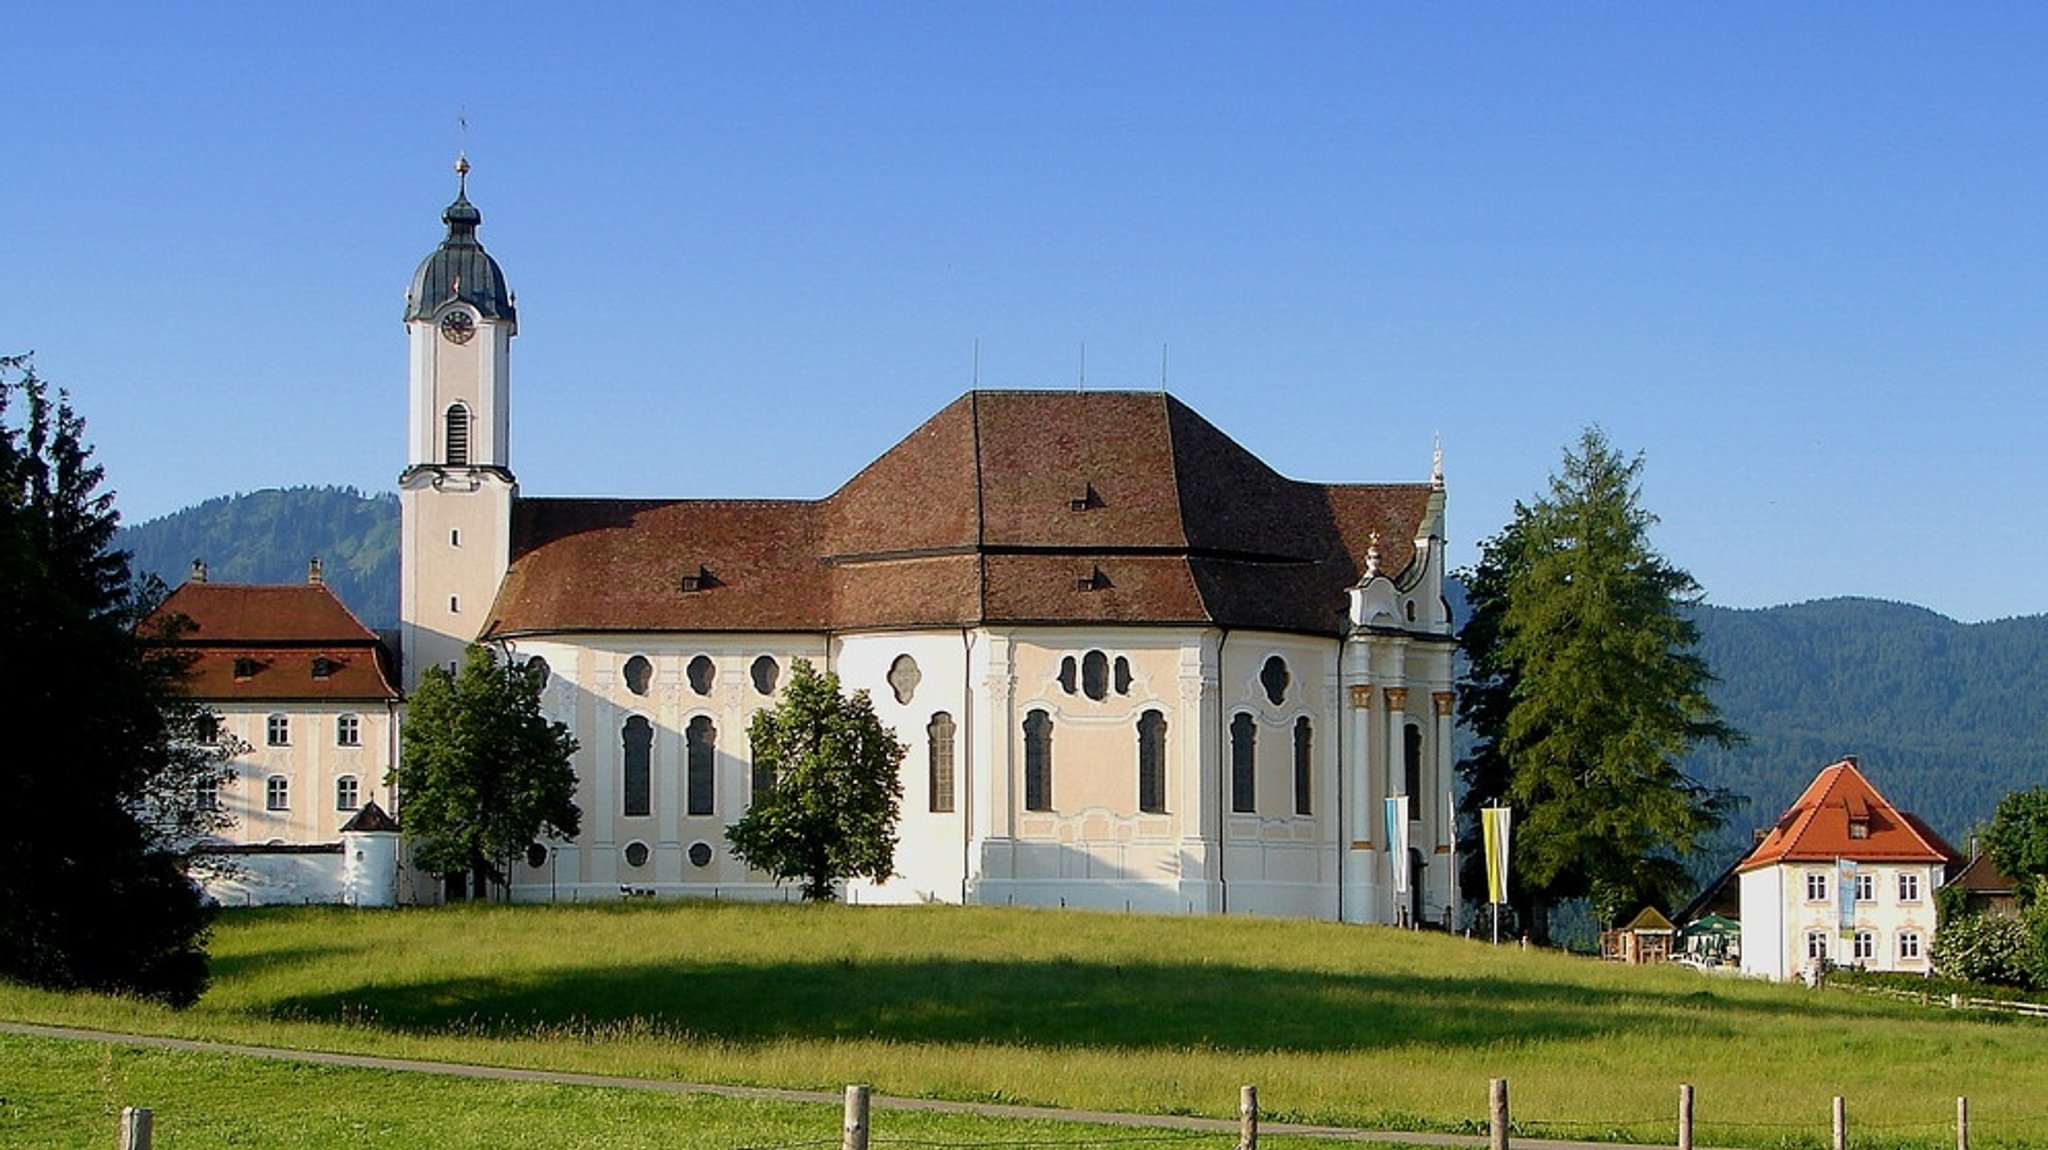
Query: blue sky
[1796,255]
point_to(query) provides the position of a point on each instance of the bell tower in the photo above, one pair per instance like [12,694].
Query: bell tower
[456,493]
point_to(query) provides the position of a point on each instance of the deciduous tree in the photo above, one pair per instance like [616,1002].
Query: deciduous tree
[830,813]
[109,760]
[482,772]
[1587,694]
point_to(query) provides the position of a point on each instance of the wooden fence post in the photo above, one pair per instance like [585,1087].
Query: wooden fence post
[1248,1118]
[1685,1116]
[1497,1114]
[136,1122]
[1962,1123]
[1841,1124]
[853,1134]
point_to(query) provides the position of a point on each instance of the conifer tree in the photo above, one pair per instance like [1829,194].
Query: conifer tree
[110,760]
[482,772]
[1587,694]
[828,811]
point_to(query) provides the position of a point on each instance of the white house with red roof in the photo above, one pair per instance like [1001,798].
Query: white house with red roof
[1844,877]
[1135,667]
[309,692]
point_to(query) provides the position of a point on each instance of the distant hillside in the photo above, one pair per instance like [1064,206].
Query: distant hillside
[267,536]
[1946,717]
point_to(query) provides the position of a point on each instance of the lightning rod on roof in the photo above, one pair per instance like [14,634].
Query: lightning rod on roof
[1084,365]
[1162,367]
[977,363]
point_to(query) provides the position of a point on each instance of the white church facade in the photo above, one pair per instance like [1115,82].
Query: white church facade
[1133,665]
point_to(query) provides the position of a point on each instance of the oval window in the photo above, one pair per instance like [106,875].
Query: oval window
[904,678]
[701,671]
[1274,678]
[639,674]
[636,853]
[536,854]
[765,672]
[700,854]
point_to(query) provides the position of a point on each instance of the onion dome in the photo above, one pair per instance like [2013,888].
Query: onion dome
[460,270]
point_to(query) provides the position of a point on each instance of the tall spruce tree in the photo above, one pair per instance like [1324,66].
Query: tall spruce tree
[826,807]
[482,772]
[110,760]
[1584,694]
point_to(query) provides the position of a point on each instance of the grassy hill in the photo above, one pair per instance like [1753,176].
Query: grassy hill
[1367,1027]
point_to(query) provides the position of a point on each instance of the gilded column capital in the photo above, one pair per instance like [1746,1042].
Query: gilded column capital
[1445,701]
[1397,698]
[1361,697]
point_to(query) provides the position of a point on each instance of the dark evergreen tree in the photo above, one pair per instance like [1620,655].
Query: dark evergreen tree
[1588,694]
[829,809]
[482,772]
[109,763]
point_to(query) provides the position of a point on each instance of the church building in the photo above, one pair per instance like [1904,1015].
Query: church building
[1135,667]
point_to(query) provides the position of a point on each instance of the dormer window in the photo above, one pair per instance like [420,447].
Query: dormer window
[698,580]
[323,667]
[245,667]
[1859,829]
[1088,500]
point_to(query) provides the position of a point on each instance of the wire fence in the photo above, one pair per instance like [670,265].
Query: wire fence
[1498,1131]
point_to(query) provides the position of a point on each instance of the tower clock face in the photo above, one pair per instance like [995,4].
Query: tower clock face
[457,326]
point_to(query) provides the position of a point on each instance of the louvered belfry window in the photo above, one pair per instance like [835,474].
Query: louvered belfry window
[458,435]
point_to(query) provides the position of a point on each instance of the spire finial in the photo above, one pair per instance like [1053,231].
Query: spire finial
[1372,556]
[462,175]
[1436,463]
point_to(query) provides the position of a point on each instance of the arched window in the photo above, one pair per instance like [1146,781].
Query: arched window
[701,672]
[764,771]
[1095,675]
[1244,743]
[538,668]
[277,793]
[347,794]
[938,735]
[639,674]
[1274,678]
[700,741]
[1038,761]
[1152,762]
[638,736]
[1411,766]
[765,672]
[348,731]
[1303,744]
[277,731]
[458,435]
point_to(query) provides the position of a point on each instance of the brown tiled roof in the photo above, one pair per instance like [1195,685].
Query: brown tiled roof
[1982,876]
[1005,507]
[1816,827]
[250,641]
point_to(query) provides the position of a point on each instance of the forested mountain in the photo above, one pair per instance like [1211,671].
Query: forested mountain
[267,537]
[1945,717]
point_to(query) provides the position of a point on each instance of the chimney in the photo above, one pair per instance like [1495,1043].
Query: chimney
[198,571]
[313,575]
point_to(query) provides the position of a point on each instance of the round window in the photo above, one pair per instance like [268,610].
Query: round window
[636,853]
[700,854]
[536,855]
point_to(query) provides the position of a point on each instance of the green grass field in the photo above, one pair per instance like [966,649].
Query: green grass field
[1357,1026]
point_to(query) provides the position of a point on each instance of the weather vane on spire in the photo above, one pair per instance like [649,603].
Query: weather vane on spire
[462,153]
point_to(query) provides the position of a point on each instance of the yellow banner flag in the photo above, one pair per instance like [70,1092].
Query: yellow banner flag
[1493,826]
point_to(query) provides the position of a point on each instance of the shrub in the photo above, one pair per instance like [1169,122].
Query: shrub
[1988,948]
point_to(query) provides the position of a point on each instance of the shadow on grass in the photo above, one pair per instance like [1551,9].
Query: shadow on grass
[1034,1003]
